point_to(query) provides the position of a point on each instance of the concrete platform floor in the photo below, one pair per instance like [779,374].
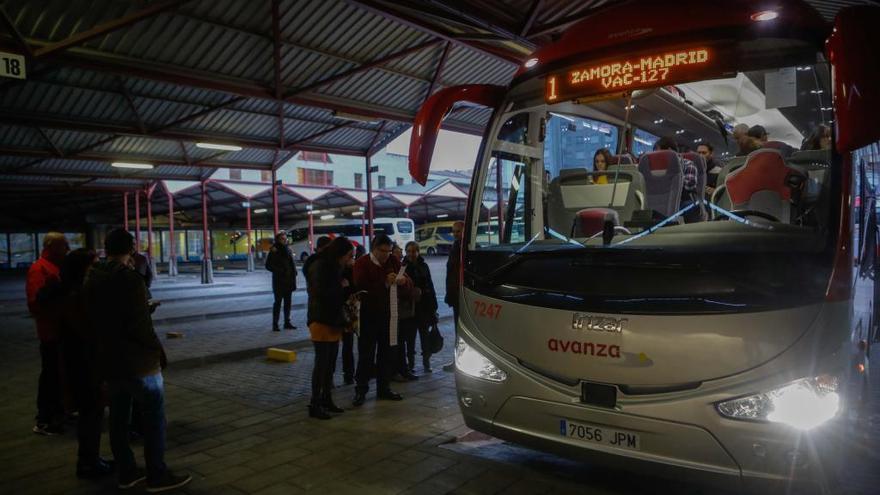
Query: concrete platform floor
[239,423]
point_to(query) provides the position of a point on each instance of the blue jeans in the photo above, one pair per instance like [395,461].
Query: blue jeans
[149,392]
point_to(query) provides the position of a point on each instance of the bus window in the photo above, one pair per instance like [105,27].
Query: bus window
[404,227]
[571,141]
[643,142]
[425,233]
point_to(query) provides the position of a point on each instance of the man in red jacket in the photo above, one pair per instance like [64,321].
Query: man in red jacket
[376,274]
[44,298]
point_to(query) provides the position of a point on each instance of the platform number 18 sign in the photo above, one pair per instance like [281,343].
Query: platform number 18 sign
[12,65]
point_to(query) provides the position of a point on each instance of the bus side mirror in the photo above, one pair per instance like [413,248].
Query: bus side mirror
[427,122]
[856,76]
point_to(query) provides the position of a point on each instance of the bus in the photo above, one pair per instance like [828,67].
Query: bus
[633,322]
[400,230]
[435,237]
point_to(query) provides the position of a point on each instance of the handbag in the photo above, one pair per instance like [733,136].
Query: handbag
[435,340]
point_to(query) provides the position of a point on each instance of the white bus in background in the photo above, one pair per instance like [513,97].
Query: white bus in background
[400,230]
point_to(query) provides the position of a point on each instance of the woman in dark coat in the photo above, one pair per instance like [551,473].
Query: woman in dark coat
[425,308]
[328,294]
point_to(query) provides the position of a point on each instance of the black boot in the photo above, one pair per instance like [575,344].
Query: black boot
[359,399]
[330,407]
[318,412]
[94,469]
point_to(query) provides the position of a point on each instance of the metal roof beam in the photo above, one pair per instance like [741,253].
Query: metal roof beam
[9,24]
[530,18]
[440,64]
[461,11]
[560,24]
[362,68]
[108,27]
[383,10]
[131,106]
[94,175]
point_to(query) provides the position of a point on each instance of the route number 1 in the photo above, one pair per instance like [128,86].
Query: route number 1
[12,65]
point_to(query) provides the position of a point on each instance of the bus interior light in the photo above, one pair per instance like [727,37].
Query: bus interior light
[764,15]
[472,363]
[680,131]
[658,121]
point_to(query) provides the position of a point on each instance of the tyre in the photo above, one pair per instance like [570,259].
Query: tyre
[432,251]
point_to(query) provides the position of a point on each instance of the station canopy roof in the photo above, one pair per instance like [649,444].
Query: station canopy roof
[144,82]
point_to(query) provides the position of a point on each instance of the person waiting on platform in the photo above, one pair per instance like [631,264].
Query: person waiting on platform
[283,267]
[425,314]
[601,160]
[376,273]
[328,292]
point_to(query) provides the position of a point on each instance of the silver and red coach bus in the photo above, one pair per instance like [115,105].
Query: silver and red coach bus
[668,311]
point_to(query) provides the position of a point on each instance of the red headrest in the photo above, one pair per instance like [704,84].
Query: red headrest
[660,160]
[592,220]
[765,170]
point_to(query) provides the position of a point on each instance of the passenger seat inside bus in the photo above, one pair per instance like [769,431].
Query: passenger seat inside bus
[573,191]
[763,184]
[662,173]
[625,164]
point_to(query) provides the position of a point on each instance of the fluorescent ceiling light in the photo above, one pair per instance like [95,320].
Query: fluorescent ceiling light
[354,117]
[215,146]
[261,210]
[765,15]
[141,166]
[357,213]
[443,215]
[328,217]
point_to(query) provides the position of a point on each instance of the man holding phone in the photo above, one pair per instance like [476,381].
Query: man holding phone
[375,274]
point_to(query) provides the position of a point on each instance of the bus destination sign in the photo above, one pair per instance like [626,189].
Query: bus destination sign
[620,75]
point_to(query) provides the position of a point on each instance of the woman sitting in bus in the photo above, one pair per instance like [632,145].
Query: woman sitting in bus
[601,160]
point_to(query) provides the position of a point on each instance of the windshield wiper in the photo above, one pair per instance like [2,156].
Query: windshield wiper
[522,253]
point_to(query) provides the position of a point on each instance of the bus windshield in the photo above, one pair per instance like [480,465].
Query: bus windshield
[727,181]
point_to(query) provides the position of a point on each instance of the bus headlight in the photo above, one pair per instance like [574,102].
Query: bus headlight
[803,404]
[472,363]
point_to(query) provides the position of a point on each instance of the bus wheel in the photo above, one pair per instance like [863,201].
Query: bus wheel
[431,251]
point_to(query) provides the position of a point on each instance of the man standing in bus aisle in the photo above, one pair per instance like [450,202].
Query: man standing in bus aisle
[43,288]
[375,274]
[453,264]
[745,143]
[712,166]
[690,172]
[283,267]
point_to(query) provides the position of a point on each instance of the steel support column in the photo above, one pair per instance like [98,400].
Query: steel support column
[311,229]
[125,209]
[207,268]
[500,205]
[369,197]
[363,231]
[149,197]
[137,220]
[275,202]
[172,241]
[250,246]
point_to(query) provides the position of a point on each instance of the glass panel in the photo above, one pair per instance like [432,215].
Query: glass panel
[4,251]
[643,142]
[405,227]
[23,249]
[572,142]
